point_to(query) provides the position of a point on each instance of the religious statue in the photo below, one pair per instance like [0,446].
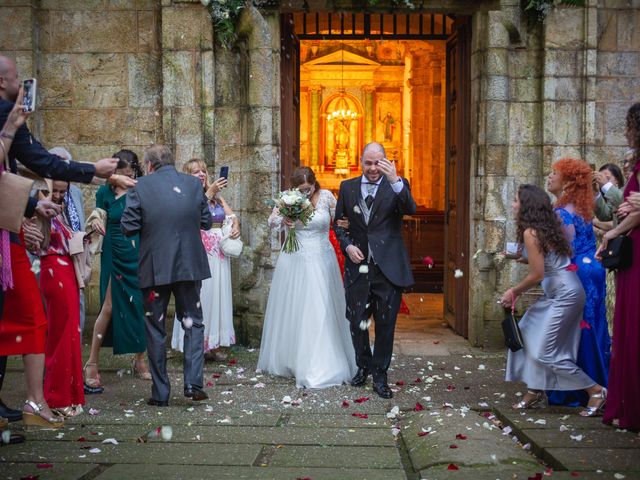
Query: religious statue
[342,137]
[389,126]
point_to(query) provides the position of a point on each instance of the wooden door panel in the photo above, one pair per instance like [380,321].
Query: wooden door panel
[289,98]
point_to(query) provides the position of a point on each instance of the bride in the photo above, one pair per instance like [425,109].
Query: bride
[306,333]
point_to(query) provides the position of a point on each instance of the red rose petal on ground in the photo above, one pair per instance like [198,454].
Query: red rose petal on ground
[537,476]
[575,474]
[423,434]
[452,467]
[93,433]
[461,437]
[417,380]
[361,399]
[303,478]
[233,361]
[45,465]
[360,415]
[419,407]
[399,383]
[487,414]
[345,404]
[30,477]
[210,384]
[436,342]
[81,439]
[216,375]
[572,267]
[453,446]
[450,388]
[584,325]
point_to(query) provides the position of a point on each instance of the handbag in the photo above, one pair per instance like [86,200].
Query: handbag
[231,247]
[511,330]
[14,195]
[619,253]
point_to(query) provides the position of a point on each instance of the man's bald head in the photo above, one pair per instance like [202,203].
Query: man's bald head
[9,82]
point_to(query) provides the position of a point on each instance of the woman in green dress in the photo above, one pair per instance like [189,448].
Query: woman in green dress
[121,320]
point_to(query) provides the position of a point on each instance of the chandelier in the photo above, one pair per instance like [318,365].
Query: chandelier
[341,110]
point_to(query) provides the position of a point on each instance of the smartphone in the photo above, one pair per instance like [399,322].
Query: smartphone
[512,248]
[29,99]
[224,172]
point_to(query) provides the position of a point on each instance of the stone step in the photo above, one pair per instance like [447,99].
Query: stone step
[347,457]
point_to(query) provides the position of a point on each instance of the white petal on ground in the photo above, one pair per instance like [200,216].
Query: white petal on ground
[166,432]
[95,450]
[112,441]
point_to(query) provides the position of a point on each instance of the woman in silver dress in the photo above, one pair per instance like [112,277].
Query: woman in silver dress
[551,326]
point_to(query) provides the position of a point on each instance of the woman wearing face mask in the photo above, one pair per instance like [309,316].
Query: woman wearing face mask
[571,182]
[306,333]
[216,296]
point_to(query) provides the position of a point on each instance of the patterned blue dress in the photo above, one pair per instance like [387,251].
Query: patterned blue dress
[595,342]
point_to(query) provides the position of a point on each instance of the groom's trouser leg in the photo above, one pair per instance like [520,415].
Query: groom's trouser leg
[358,310]
[385,298]
[187,296]
[156,300]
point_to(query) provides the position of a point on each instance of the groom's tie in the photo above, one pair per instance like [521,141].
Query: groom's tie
[371,187]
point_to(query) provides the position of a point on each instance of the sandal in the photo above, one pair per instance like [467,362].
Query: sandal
[91,385]
[538,400]
[37,418]
[596,411]
[140,373]
[68,412]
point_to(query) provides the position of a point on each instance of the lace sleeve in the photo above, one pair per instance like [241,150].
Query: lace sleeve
[275,219]
[331,203]
[568,227]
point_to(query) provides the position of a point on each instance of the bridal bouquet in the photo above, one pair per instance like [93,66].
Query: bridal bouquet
[294,205]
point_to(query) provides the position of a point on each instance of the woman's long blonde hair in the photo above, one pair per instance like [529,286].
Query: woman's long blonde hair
[200,165]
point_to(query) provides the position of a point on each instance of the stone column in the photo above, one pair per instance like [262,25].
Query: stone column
[314,131]
[369,114]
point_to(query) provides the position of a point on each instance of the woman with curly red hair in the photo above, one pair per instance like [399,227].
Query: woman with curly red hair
[623,404]
[571,183]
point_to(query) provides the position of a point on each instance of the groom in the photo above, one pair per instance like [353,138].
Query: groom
[377,264]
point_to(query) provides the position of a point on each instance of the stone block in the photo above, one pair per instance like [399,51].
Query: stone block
[563,63]
[208,122]
[187,151]
[524,123]
[524,161]
[99,80]
[351,457]
[148,31]
[564,28]
[178,76]
[207,96]
[263,159]
[607,30]
[628,31]
[61,471]
[89,31]
[186,27]
[568,123]
[227,126]
[497,87]
[229,75]
[615,123]
[496,158]
[618,64]
[524,63]
[261,78]
[259,122]
[497,120]
[497,33]
[55,80]
[74,4]
[618,89]
[500,192]
[144,80]
[524,89]
[187,126]
[496,61]
[490,236]
[18,36]
[93,153]
[563,88]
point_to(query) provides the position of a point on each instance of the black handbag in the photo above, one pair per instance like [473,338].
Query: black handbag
[619,253]
[511,330]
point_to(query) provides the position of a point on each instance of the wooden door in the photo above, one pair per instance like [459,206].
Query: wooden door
[456,290]
[290,99]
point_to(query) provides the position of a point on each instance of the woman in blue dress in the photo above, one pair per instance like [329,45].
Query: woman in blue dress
[571,182]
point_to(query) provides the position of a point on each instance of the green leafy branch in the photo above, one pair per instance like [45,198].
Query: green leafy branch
[224,17]
[539,9]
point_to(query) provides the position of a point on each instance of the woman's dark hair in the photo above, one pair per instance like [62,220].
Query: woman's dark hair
[301,175]
[633,127]
[127,158]
[615,171]
[537,214]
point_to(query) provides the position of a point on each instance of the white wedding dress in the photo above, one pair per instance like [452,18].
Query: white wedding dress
[306,334]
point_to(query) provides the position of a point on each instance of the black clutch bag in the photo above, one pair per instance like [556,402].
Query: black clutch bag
[618,254]
[512,334]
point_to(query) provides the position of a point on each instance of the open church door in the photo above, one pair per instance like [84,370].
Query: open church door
[289,99]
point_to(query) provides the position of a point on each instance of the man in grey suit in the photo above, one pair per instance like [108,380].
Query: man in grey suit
[168,209]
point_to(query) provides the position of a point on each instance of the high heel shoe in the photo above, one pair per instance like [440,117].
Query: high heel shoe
[67,412]
[38,419]
[539,400]
[91,385]
[141,375]
[599,409]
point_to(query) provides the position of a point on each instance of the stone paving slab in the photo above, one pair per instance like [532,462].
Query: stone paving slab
[605,459]
[505,472]
[589,438]
[59,471]
[152,453]
[347,420]
[175,416]
[482,446]
[347,457]
[570,418]
[181,472]
[285,435]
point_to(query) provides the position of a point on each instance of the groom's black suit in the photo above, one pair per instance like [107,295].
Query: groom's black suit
[377,291]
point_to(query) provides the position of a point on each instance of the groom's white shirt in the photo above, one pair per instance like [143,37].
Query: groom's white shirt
[396,187]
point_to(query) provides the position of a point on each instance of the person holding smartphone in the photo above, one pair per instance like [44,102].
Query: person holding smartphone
[216,296]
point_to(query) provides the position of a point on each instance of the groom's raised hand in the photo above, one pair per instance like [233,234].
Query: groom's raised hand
[355,254]
[388,168]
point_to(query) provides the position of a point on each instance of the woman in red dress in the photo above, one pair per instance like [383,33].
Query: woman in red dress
[623,399]
[63,383]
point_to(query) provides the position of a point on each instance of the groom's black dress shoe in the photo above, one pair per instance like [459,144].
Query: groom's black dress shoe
[194,393]
[360,378]
[382,389]
[158,403]
[9,413]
